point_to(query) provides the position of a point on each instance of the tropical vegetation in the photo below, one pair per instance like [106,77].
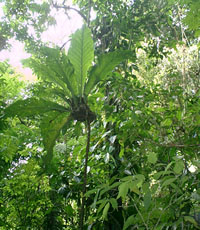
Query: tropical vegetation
[108,135]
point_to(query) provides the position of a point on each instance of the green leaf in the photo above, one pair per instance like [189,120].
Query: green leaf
[166,122]
[110,187]
[50,129]
[69,210]
[179,166]
[31,107]
[88,193]
[130,221]
[145,187]
[147,200]
[139,179]
[106,63]
[121,153]
[134,187]
[127,178]
[114,203]
[95,199]
[161,173]
[103,202]
[81,55]
[123,190]
[168,182]
[191,220]
[105,211]
[152,158]
[179,115]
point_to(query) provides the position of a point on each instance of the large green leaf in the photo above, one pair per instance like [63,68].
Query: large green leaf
[54,66]
[81,55]
[50,130]
[31,107]
[106,63]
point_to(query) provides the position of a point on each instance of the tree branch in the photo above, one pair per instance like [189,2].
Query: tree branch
[170,145]
[70,8]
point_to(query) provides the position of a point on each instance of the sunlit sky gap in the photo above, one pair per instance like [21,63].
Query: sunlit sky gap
[57,34]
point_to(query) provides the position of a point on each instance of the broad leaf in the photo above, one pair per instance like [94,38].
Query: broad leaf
[32,106]
[106,63]
[50,129]
[54,66]
[123,190]
[81,55]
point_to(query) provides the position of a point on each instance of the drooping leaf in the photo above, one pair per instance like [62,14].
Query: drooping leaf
[114,203]
[50,129]
[106,63]
[95,199]
[31,107]
[123,190]
[161,173]
[103,202]
[81,55]
[105,211]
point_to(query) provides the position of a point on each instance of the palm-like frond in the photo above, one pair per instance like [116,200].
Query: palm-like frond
[32,106]
[81,55]
[105,64]
[50,130]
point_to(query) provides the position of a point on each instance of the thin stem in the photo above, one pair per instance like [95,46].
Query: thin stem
[141,216]
[82,213]
[88,16]
[172,201]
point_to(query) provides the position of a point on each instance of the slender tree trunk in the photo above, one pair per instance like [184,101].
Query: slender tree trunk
[82,213]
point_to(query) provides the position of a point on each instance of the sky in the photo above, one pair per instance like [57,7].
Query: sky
[57,34]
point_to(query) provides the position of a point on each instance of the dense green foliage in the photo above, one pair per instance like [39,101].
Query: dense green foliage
[108,137]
